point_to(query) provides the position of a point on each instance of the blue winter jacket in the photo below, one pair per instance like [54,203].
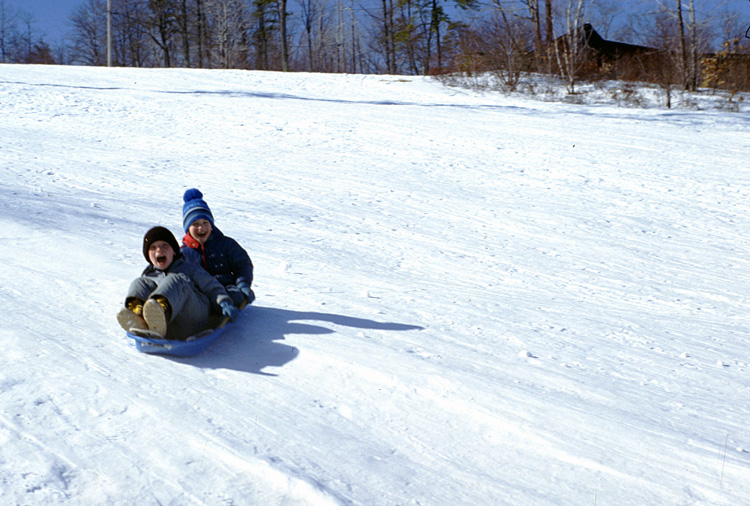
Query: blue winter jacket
[221,256]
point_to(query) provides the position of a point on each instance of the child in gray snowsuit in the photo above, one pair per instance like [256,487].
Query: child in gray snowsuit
[172,298]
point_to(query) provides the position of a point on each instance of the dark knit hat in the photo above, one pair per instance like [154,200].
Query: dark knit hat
[195,208]
[159,234]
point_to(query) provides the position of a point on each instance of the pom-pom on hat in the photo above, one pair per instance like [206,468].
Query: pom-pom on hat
[159,234]
[195,208]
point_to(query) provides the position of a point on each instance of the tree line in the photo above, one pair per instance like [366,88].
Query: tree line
[414,37]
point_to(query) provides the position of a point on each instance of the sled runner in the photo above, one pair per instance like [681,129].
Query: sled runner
[148,342]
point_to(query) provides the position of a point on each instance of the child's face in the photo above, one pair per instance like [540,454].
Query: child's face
[200,230]
[161,254]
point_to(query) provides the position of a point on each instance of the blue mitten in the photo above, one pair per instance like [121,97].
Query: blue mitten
[247,292]
[228,310]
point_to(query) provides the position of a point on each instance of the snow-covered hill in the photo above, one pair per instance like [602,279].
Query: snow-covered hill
[463,299]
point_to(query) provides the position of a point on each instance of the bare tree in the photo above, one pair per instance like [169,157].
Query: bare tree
[571,47]
[26,36]
[505,38]
[412,33]
[183,21]
[683,46]
[321,34]
[665,37]
[536,25]
[7,28]
[389,25]
[131,41]
[163,26]
[310,11]
[687,35]
[89,33]
[201,36]
[283,35]
[382,37]
[693,68]
[317,18]
[230,23]
[549,29]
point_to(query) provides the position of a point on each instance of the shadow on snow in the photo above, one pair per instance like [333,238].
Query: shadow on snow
[252,343]
[272,95]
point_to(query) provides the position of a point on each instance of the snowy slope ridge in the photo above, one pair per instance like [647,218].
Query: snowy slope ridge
[463,299]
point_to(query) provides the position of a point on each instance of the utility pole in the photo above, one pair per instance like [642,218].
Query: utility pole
[109,33]
[342,40]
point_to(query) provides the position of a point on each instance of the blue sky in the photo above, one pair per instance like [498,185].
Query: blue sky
[51,17]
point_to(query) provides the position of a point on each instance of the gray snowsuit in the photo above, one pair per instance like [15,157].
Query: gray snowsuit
[191,291]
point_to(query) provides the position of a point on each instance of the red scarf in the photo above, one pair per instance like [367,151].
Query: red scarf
[190,242]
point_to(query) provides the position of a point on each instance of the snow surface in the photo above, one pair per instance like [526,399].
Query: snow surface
[463,298]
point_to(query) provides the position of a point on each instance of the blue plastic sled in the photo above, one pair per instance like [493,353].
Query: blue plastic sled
[193,346]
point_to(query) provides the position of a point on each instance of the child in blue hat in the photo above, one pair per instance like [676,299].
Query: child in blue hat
[220,255]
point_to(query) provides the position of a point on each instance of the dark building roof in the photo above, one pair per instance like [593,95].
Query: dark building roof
[593,40]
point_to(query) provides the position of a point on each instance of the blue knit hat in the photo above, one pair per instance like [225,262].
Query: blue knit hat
[195,208]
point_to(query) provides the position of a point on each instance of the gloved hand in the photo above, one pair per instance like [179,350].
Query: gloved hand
[228,310]
[247,292]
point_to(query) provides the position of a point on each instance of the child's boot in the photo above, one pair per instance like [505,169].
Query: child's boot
[129,320]
[156,313]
